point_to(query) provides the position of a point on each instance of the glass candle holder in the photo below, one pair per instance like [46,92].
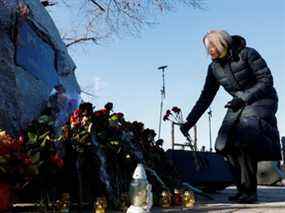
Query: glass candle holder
[178,197]
[188,199]
[165,199]
[64,203]
[100,205]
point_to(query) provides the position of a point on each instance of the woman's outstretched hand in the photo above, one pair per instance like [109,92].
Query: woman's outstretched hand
[235,104]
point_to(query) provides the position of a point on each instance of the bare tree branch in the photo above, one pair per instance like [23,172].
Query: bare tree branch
[98,5]
[79,40]
[115,17]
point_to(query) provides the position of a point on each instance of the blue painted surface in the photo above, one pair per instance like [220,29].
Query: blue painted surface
[36,56]
[214,169]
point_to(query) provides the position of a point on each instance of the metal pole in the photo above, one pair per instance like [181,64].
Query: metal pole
[210,127]
[195,138]
[172,135]
[162,93]
[160,117]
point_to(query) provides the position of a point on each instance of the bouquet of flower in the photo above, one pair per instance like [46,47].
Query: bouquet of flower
[42,143]
[16,165]
[174,115]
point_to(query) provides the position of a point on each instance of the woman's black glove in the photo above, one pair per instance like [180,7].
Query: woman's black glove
[235,104]
[185,127]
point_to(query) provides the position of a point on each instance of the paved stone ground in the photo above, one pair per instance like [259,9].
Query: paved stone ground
[271,199]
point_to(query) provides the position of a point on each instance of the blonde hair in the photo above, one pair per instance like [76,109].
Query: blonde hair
[219,38]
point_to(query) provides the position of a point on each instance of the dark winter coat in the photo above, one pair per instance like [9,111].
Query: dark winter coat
[243,74]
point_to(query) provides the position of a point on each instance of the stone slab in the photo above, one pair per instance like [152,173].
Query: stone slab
[271,199]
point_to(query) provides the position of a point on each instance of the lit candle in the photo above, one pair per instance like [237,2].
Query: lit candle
[178,198]
[101,205]
[165,199]
[64,203]
[140,192]
[188,199]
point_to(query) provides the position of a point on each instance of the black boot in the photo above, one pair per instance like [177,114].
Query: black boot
[235,197]
[247,198]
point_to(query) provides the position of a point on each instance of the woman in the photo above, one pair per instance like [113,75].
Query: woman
[249,131]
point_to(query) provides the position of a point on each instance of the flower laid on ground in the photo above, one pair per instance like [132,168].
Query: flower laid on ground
[16,165]
[119,146]
[95,154]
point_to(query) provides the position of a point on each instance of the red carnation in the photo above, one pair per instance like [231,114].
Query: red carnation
[77,113]
[21,139]
[120,114]
[100,113]
[15,146]
[28,161]
[165,117]
[168,112]
[4,150]
[176,109]
[75,118]
[57,160]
